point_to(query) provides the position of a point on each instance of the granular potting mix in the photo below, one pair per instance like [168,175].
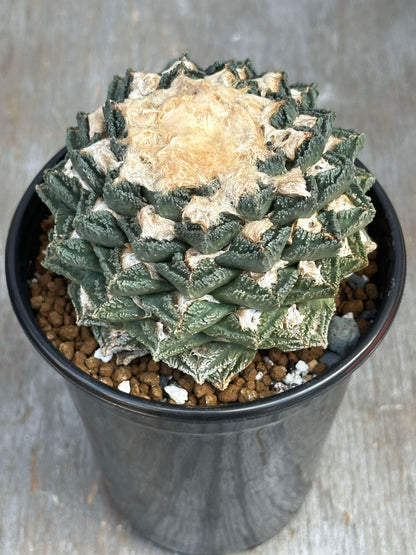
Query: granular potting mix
[271,372]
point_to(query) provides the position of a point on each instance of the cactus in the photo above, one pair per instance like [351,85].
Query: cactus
[201,215]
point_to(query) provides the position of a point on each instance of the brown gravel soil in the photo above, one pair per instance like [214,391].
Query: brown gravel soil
[270,373]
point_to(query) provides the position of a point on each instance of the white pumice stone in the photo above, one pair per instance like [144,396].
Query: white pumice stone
[124,386]
[176,393]
[280,386]
[99,354]
[301,367]
[293,379]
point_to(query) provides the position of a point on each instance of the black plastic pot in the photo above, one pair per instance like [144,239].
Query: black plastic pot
[216,479]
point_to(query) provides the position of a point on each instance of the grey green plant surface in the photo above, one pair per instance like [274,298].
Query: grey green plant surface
[201,215]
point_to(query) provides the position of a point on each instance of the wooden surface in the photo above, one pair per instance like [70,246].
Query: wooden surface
[56,58]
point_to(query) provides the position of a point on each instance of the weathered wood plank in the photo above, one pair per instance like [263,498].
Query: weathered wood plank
[55,59]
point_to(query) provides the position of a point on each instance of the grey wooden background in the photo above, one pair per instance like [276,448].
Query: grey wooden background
[56,57]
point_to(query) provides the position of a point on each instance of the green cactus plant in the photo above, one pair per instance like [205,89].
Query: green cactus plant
[203,215]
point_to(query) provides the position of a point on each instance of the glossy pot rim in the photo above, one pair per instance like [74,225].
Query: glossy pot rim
[18,291]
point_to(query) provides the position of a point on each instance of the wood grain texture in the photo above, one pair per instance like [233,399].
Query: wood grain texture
[56,58]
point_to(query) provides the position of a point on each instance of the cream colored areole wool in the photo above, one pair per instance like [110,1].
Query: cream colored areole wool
[199,131]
